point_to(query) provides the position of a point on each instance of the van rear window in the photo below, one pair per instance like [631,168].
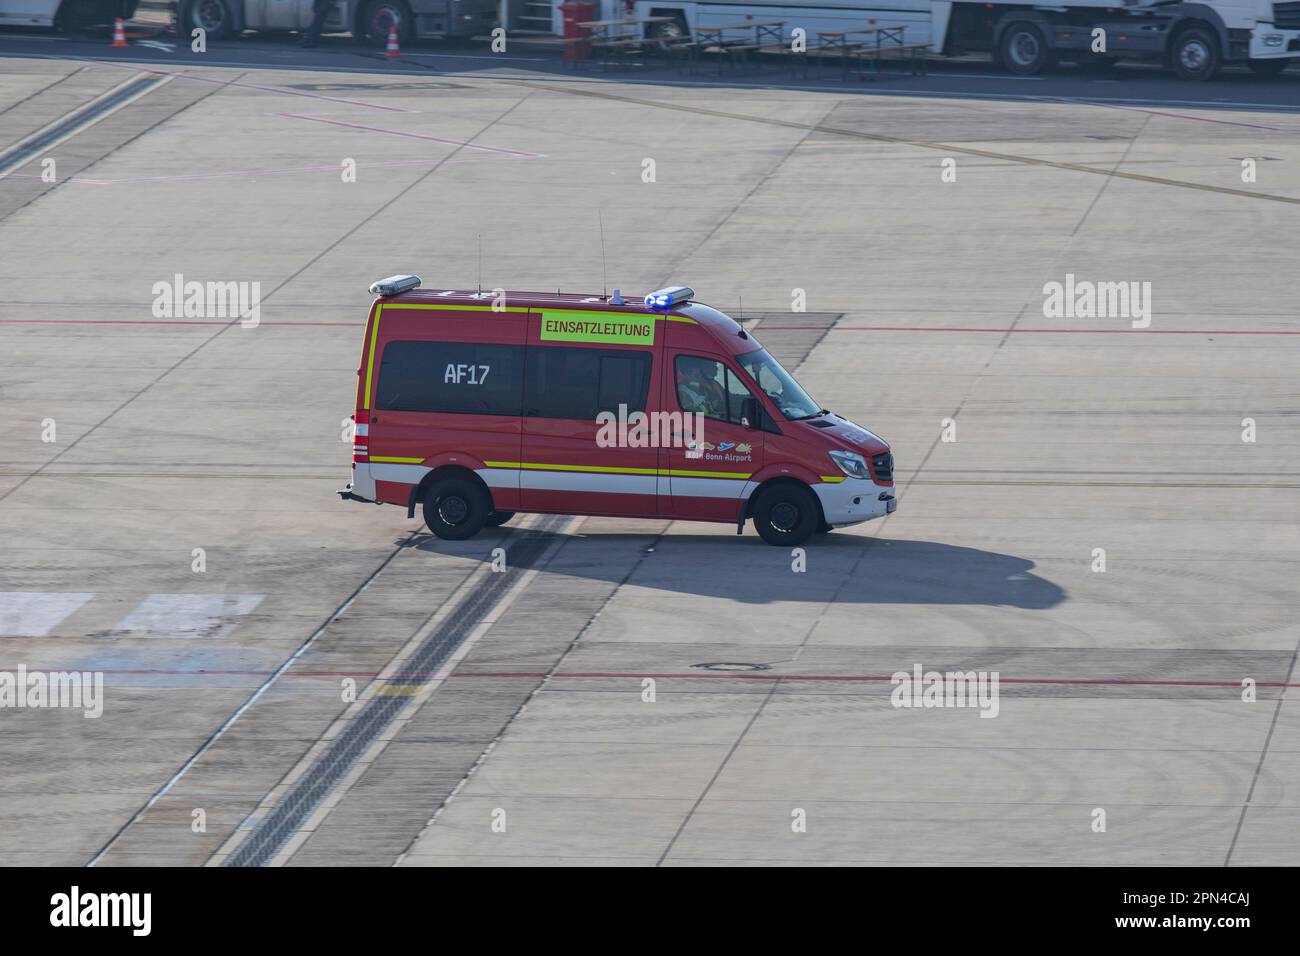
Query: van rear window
[581,383]
[464,377]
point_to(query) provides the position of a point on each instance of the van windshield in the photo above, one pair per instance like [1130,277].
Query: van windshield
[779,385]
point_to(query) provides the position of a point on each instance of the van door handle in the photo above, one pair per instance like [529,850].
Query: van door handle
[374,421]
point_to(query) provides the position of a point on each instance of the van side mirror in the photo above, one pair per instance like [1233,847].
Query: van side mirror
[749,412]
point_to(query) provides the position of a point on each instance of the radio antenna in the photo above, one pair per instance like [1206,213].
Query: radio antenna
[604,278]
[480,263]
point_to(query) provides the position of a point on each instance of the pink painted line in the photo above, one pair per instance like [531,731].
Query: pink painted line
[166,322]
[712,675]
[424,136]
[254,86]
[875,678]
[937,328]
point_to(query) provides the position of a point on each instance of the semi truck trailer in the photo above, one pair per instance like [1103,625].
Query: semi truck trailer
[1194,39]
[367,20]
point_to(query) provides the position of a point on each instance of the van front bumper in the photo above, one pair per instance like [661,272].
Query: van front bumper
[853,500]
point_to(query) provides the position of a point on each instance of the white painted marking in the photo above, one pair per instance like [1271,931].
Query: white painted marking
[489,56]
[89,119]
[188,615]
[36,613]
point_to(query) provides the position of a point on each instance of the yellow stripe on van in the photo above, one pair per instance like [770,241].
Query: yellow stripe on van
[707,474]
[610,470]
[457,308]
[596,469]
[397,461]
[370,361]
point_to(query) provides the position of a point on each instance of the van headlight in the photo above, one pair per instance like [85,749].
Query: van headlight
[851,463]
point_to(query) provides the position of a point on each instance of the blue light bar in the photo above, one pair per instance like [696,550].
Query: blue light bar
[394,285]
[667,298]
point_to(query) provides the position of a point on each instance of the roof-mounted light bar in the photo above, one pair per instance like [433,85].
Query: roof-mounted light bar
[394,285]
[667,298]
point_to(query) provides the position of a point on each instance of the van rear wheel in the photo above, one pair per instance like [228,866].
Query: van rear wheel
[456,508]
[786,515]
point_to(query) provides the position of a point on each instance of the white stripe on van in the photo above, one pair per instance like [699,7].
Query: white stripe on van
[579,481]
[586,481]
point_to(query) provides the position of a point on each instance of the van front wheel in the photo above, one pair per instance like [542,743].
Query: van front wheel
[455,508]
[786,515]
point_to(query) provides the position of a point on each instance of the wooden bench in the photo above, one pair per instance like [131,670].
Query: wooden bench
[916,55]
[618,51]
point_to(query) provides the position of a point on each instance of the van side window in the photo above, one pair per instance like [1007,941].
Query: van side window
[579,383]
[706,385]
[624,380]
[461,377]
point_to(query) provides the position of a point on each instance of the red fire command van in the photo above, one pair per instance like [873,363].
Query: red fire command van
[478,405]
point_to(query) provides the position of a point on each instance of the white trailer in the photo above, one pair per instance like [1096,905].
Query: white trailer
[1195,39]
[367,20]
[63,14]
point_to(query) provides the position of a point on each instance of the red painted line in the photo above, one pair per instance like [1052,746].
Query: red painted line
[424,136]
[937,328]
[710,675]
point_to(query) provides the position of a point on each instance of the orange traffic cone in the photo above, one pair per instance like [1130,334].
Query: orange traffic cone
[391,51]
[119,34]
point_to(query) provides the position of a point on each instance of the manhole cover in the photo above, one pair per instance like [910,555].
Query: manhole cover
[732,666]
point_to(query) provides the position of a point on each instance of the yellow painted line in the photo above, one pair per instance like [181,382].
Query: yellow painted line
[947,148]
[400,690]
[400,461]
[370,362]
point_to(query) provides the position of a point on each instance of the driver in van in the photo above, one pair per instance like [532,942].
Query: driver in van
[698,394]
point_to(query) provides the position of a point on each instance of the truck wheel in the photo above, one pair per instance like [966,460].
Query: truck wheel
[213,17]
[786,515]
[1268,68]
[1195,54]
[377,16]
[497,518]
[1024,49]
[455,508]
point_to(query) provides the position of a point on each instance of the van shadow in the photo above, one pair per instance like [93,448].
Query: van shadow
[845,568]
